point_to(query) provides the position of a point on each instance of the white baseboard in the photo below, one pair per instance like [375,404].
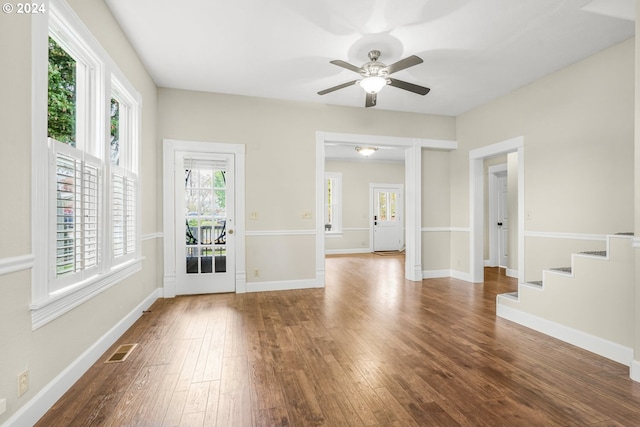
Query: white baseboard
[634,372]
[35,408]
[461,275]
[347,251]
[284,285]
[512,273]
[436,274]
[610,350]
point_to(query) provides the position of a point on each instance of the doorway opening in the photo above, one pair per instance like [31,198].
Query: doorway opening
[477,203]
[498,219]
[412,149]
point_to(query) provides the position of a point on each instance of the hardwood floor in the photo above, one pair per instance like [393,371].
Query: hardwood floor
[371,349]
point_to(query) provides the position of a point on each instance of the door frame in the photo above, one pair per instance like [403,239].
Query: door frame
[413,192]
[476,204]
[494,233]
[169,149]
[372,188]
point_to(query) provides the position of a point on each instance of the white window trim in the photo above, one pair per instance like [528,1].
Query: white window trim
[47,305]
[336,229]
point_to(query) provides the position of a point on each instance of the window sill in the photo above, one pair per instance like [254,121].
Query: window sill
[65,300]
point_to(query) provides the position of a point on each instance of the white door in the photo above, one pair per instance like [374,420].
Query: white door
[503,220]
[387,218]
[204,212]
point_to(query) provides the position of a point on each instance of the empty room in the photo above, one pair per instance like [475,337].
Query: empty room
[329,213]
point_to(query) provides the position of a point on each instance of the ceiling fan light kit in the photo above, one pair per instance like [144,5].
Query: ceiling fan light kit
[373,84]
[374,77]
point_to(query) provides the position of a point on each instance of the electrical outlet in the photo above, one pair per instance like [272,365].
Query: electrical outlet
[23,382]
[253,216]
[256,273]
[306,215]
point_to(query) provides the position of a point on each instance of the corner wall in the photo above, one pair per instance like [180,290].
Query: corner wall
[53,352]
[578,140]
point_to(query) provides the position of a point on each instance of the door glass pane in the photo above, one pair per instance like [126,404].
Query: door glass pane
[392,206]
[192,260]
[221,259]
[205,210]
[205,260]
[382,206]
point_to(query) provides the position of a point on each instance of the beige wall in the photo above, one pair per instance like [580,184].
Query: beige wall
[577,126]
[50,349]
[436,199]
[280,159]
[356,177]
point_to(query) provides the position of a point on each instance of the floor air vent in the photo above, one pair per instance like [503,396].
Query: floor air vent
[121,354]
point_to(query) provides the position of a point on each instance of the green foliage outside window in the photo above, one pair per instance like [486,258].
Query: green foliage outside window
[62,95]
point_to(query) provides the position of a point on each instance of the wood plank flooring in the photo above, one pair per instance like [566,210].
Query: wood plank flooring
[371,349]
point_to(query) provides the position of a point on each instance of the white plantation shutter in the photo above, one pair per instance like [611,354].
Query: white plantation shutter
[117,213]
[130,215]
[123,204]
[77,196]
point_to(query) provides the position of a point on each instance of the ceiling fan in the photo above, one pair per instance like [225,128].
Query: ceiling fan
[375,76]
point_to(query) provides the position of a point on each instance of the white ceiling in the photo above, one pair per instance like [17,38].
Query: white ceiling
[473,50]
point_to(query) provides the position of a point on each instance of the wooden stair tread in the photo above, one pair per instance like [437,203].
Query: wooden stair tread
[510,295]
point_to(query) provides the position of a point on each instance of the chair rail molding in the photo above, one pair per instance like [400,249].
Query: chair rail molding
[16,263]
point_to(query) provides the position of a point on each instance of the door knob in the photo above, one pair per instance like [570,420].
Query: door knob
[500,224]
[230,231]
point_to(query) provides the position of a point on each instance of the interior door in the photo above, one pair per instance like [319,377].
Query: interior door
[503,221]
[204,212]
[387,218]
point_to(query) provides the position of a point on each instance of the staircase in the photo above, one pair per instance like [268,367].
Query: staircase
[589,304]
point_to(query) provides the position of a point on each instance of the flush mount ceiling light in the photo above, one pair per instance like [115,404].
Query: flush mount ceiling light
[366,151]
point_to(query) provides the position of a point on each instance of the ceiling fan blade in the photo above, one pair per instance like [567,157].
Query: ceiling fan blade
[342,86]
[346,65]
[420,90]
[403,63]
[371,100]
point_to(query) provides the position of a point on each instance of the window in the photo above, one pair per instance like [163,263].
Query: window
[61,118]
[333,203]
[124,181]
[85,182]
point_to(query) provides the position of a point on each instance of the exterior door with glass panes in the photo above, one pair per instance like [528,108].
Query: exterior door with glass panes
[205,240]
[387,218]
